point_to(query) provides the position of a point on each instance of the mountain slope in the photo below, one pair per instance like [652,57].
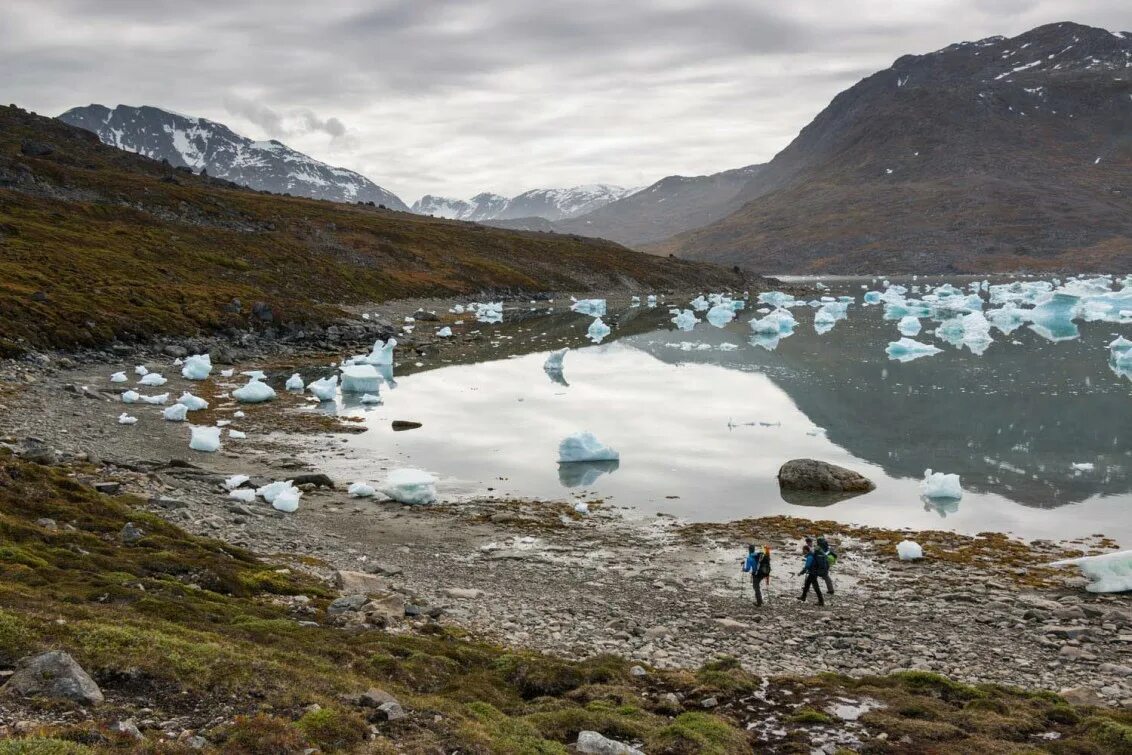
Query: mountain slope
[202,144]
[98,244]
[991,155]
[545,204]
[670,205]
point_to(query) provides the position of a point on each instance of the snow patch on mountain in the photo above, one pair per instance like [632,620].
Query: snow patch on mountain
[550,204]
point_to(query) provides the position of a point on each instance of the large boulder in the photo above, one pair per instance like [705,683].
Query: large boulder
[595,743]
[360,583]
[53,674]
[814,475]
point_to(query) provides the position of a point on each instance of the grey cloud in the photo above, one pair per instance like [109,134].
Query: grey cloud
[276,124]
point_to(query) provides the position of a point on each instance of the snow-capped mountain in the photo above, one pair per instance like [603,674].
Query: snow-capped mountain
[550,204]
[202,144]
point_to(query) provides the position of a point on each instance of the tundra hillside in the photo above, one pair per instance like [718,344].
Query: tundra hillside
[97,244]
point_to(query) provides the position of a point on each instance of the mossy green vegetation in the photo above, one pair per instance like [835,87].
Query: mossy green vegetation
[97,243]
[182,624]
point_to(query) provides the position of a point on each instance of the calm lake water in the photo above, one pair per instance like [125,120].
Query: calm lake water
[704,419]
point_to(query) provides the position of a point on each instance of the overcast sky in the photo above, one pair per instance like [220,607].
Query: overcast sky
[454,98]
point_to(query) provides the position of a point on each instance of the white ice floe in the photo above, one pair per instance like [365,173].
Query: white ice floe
[204,438]
[197,367]
[175,413]
[125,419]
[255,374]
[584,447]
[650,300]
[779,322]
[361,378]
[777,299]
[721,314]
[295,383]
[410,486]
[591,307]
[153,379]
[1110,572]
[325,389]
[287,501]
[237,434]
[159,400]
[369,398]
[445,332]
[597,331]
[360,490]
[191,402]
[142,370]
[909,550]
[235,481]
[118,377]
[1083,466]
[382,352]
[909,326]
[255,392]
[553,361]
[684,319]
[130,397]
[247,495]
[940,485]
[905,350]
[271,490]
[489,312]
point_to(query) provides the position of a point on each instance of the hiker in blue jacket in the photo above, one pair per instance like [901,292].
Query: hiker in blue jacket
[816,566]
[758,564]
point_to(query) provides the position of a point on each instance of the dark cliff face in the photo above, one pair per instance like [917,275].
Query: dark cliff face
[997,154]
[201,144]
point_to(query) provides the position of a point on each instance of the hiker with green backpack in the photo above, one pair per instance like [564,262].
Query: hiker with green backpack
[758,564]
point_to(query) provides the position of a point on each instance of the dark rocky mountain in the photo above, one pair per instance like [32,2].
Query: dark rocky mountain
[1001,154]
[202,144]
[534,205]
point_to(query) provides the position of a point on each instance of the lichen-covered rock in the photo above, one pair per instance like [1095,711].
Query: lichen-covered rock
[53,674]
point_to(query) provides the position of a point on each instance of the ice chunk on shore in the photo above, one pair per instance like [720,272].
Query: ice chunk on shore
[382,352]
[197,367]
[153,378]
[130,397]
[325,389]
[295,383]
[118,377]
[909,550]
[582,507]
[553,361]
[591,307]
[142,370]
[159,400]
[175,413]
[271,490]
[125,419]
[287,500]
[720,315]
[205,439]
[489,313]
[905,350]
[361,378]
[247,495]
[255,374]
[255,392]
[410,486]
[909,326]
[360,490]
[236,481]
[445,332]
[237,434]
[597,331]
[684,319]
[651,300]
[940,485]
[191,402]
[1110,572]
[369,398]
[584,447]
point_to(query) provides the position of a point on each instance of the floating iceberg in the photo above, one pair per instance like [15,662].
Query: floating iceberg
[360,490]
[410,486]
[777,299]
[255,392]
[909,550]
[905,350]
[720,315]
[295,383]
[382,352]
[1111,572]
[125,419]
[553,361]
[597,331]
[152,378]
[584,447]
[699,304]
[205,439]
[489,313]
[118,377]
[175,413]
[1117,348]
[325,389]
[191,402]
[197,367]
[872,297]
[247,495]
[778,323]
[684,319]
[940,485]
[369,398]
[235,481]
[361,378]
[909,326]
[591,307]
[445,332]
[1007,319]
[1052,319]
[1083,466]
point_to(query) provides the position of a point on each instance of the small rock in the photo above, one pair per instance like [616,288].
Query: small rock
[1081,696]
[392,710]
[375,698]
[346,604]
[401,424]
[47,524]
[129,728]
[108,487]
[360,583]
[595,743]
[638,671]
[709,702]
[130,533]
[53,674]
[461,593]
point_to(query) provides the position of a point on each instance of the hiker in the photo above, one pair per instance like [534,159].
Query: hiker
[816,565]
[823,544]
[758,564]
[808,547]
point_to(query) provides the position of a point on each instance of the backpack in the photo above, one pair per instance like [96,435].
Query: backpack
[764,566]
[820,565]
[832,559]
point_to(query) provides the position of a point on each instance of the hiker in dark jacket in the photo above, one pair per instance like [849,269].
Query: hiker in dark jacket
[831,557]
[758,564]
[816,566]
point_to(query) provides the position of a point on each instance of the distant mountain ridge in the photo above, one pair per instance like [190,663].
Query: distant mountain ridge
[547,204]
[201,144]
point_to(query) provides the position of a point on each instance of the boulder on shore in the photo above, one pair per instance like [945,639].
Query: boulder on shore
[53,674]
[814,475]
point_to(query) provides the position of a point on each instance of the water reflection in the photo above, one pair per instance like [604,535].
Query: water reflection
[577,474]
